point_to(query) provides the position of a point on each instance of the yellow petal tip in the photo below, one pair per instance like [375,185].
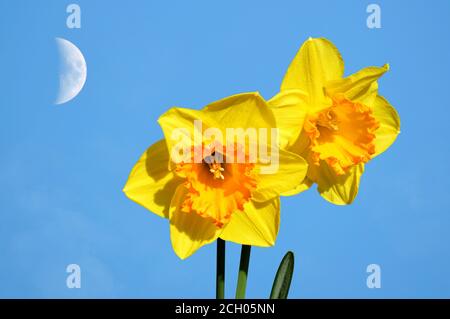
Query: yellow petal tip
[257,94]
[182,257]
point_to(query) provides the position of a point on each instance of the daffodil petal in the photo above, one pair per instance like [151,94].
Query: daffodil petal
[150,183]
[276,178]
[289,108]
[337,189]
[389,121]
[257,225]
[188,230]
[360,86]
[246,110]
[305,185]
[301,145]
[317,62]
[182,122]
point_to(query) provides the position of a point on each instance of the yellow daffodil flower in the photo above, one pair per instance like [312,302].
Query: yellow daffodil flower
[336,123]
[206,199]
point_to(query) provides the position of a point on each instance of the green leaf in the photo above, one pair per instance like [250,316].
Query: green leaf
[282,281]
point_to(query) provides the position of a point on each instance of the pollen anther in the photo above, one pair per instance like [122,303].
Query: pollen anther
[216,169]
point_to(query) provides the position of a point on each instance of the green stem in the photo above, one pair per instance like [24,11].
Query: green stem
[243,271]
[220,275]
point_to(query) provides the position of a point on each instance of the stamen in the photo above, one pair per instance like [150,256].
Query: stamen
[217,170]
[214,167]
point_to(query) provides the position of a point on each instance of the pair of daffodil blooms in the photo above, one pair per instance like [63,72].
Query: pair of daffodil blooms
[329,127]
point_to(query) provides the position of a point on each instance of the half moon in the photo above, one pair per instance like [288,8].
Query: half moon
[72,71]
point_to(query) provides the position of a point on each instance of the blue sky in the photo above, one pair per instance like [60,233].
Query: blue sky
[63,168]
